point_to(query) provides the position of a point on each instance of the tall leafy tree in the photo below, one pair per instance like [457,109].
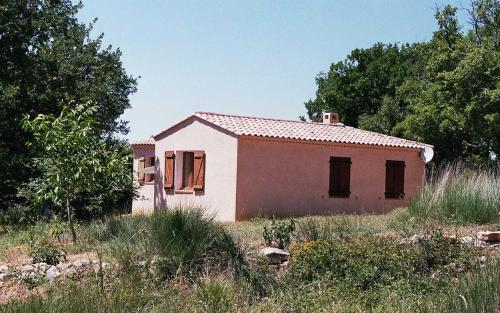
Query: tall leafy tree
[444,92]
[75,160]
[457,106]
[48,59]
[358,85]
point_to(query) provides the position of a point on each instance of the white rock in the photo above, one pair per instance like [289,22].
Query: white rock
[4,268]
[42,267]
[69,271]
[489,236]
[275,253]
[81,263]
[52,273]
[5,276]
[411,240]
[28,268]
[63,266]
[473,241]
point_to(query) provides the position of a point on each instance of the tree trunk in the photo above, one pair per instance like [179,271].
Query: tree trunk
[70,221]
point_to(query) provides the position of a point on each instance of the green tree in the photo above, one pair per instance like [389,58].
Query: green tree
[48,59]
[457,106]
[445,92]
[358,85]
[76,160]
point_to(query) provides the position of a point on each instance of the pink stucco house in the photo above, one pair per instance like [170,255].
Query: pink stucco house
[238,167]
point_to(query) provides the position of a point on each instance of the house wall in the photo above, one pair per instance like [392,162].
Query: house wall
[144,204]
[219,196]
[292,178]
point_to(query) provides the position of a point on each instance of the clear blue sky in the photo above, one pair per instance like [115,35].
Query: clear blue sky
[253,58]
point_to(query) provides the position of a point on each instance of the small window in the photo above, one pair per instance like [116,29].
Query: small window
[394,179]
[340,177]
[187,170]
[150,162]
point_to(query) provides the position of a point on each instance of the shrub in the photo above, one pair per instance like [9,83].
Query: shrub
[188,242]
[57,228]
[361,263]
[279,233]
[44,250]
[366,263]
[33,281]
[459,195]
[438,252]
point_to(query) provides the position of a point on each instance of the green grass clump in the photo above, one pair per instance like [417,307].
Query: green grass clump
[184,241]
[459,196]
[342,226]
[188,242]
[478,293]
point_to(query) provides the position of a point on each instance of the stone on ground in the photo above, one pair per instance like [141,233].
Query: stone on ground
[489,236]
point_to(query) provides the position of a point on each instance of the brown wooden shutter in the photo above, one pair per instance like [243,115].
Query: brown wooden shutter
[394,179]
[199,170]
[340,177]
[141,166]
[169,169]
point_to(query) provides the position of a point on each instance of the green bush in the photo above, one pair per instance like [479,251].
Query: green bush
[438,252]
[371,262]
[362,263]
[188,242]
[279,233]
[44,250]
[460,196]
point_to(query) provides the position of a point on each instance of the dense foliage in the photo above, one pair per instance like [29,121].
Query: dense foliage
[79,169]
[443,92]
[48,60]
[279,233]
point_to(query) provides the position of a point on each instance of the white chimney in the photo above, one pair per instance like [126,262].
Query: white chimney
[331,118]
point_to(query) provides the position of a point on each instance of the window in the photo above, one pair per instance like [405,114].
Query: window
[340,177]
[394,179]
[187,170]
[150,162]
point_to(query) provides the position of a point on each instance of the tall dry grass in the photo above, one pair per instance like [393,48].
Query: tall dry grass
[459,195]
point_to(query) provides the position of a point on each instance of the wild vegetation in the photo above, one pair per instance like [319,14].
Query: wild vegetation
[443,91]
[459,195]
[181,260]
[50,63]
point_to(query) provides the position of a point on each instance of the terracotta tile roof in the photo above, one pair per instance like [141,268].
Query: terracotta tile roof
[145,142]
[289,129]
